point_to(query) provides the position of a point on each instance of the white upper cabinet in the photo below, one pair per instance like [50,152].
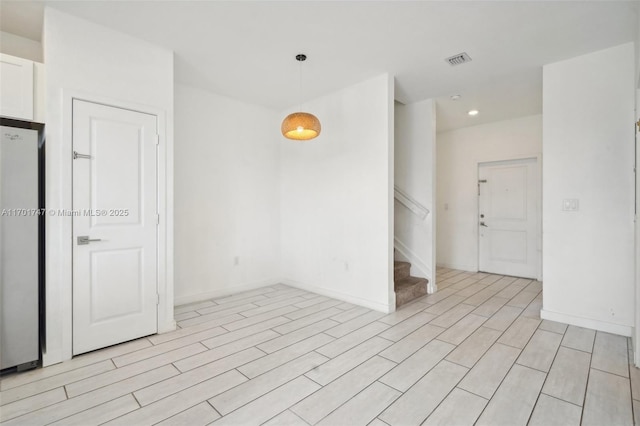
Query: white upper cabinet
[16,87]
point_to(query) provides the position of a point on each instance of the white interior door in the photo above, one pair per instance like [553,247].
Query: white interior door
[508,217]
[114,208]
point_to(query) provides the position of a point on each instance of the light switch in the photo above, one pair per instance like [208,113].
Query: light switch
[570,205]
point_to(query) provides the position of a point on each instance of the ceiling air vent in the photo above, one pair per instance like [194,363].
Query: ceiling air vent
[458,59]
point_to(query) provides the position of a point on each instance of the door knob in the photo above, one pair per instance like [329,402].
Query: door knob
[84,240]
[482,224]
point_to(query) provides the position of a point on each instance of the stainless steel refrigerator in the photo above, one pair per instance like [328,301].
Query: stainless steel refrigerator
[21,238]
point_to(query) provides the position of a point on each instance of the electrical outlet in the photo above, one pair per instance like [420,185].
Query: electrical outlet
[570,205]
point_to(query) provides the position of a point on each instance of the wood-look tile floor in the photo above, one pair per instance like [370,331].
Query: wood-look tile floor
[476,352]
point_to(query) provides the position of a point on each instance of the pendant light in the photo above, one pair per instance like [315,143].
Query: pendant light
[300,126]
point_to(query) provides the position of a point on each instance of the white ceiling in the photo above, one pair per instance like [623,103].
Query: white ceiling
[246,49]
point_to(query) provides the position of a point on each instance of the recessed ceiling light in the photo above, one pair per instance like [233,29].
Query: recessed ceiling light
[455,97]
[473,112]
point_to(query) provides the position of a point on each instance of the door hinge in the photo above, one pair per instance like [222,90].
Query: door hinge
[479,182]
[77,155]
[157,139]
[157,299]
[157,219]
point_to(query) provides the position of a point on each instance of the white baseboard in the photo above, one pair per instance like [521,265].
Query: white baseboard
[167,327]
[622,330]
[226,291]
[459,267]
[418,267]
[376,306]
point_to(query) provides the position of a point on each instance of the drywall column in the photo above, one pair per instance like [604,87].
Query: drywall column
[414,236]
[336,198]
[636,335]
[95,63]
[588,145]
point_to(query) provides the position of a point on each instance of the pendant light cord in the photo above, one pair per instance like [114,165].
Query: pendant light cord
[300,85]
[300,57]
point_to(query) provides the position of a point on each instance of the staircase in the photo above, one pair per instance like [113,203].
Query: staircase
[407,288]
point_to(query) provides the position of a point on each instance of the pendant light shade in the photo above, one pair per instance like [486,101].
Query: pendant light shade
[300,126]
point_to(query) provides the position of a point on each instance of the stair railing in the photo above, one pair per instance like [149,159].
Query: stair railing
[410,203]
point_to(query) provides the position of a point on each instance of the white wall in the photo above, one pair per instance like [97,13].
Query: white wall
[415,169]
[458,154]
[21,47]
[336,202]
[588,105]
[227,195]
[92,61]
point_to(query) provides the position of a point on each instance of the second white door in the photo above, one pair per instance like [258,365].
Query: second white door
[508,217]
[114,225]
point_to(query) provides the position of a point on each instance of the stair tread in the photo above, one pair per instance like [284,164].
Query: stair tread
[401,270]
[406,286]
[409,281]
[409,288]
